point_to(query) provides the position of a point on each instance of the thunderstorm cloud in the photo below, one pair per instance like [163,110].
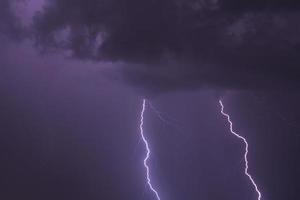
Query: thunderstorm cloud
[170,44]
[10,24]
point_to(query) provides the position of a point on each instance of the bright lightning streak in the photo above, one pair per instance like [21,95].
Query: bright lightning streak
[147,149]
[246,150]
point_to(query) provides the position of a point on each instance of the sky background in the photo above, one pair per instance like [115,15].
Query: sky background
[70,127]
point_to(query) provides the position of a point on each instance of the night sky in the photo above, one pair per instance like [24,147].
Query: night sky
[73,74]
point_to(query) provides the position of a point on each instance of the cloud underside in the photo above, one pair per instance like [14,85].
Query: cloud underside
[168,44]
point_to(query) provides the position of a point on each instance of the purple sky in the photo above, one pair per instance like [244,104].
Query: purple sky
[69,130]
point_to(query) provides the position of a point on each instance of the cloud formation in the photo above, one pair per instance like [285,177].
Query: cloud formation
[169,44]
[10,24]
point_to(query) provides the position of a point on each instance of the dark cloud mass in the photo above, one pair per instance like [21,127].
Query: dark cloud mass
[166,44]
[10,25]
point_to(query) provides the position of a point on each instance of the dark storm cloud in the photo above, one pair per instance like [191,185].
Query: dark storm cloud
[168,44]
[258,5]
[10,25]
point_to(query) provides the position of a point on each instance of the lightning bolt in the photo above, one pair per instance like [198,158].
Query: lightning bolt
[148,152]
[167,119]
[246,150]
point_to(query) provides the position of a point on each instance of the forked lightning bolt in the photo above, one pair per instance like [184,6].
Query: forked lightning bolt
[246,150]
[148,152]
